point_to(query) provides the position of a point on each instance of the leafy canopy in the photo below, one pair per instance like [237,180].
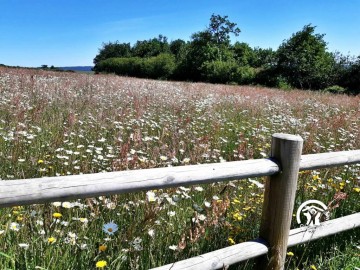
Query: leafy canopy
[304,61]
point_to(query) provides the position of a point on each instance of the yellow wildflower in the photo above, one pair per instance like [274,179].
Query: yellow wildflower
[231,241]
[356,189]
[40,161]
[290,254]
[101,264]
[51,240]
[57,215]
[313,267]
[102,248]
[237,216]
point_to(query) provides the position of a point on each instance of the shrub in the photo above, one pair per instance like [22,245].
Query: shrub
[335,89]
[159,67]
[244,75]
[227,72]
[131,66]
[218,71]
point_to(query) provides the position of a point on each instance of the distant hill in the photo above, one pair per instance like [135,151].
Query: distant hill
[77,68]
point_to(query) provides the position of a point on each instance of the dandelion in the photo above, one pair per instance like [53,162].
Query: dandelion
[40,161]
[231,241]
[57,215]
[110,228]
[357,189]
[290,254]
[237,217]
[51,240]
[101,264]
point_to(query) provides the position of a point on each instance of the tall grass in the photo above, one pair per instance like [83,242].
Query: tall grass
[55,124]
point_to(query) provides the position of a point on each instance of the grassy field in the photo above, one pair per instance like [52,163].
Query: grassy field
[55,124]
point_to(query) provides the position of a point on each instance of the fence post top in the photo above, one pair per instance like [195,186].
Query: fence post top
[288,137]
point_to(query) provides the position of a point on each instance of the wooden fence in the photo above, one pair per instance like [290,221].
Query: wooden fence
[275,235]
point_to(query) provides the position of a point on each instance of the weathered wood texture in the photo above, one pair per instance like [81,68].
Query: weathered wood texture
[305,234]
[247,250]
[279,198]
[40,190]
[326,160]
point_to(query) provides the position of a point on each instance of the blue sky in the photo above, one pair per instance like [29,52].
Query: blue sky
[69,32]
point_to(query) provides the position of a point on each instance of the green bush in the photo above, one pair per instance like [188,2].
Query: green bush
[227,72]
[282,83]
[159,67]
[335,89]
[131,66]
[218,71]
[244,75]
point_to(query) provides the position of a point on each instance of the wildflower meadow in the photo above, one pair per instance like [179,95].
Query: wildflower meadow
[56,123]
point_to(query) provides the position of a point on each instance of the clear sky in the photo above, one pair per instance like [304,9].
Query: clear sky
[70,32]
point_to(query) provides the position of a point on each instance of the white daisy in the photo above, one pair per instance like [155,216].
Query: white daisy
[110,228]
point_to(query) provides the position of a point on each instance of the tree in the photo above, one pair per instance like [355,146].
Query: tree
[303,60]
[243,54]
[220,29]
[211,44]
[177,46]
[151,47]
[263,58]
[351,77]
[110,50]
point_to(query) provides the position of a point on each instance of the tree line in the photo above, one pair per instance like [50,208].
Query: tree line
[302,61]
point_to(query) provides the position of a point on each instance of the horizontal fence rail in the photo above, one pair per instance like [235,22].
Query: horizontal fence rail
[41,190]
[280,187]
[221,258]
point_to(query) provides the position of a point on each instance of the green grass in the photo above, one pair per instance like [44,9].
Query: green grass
[55,124]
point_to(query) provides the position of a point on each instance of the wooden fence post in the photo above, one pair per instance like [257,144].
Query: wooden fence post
[279,199]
